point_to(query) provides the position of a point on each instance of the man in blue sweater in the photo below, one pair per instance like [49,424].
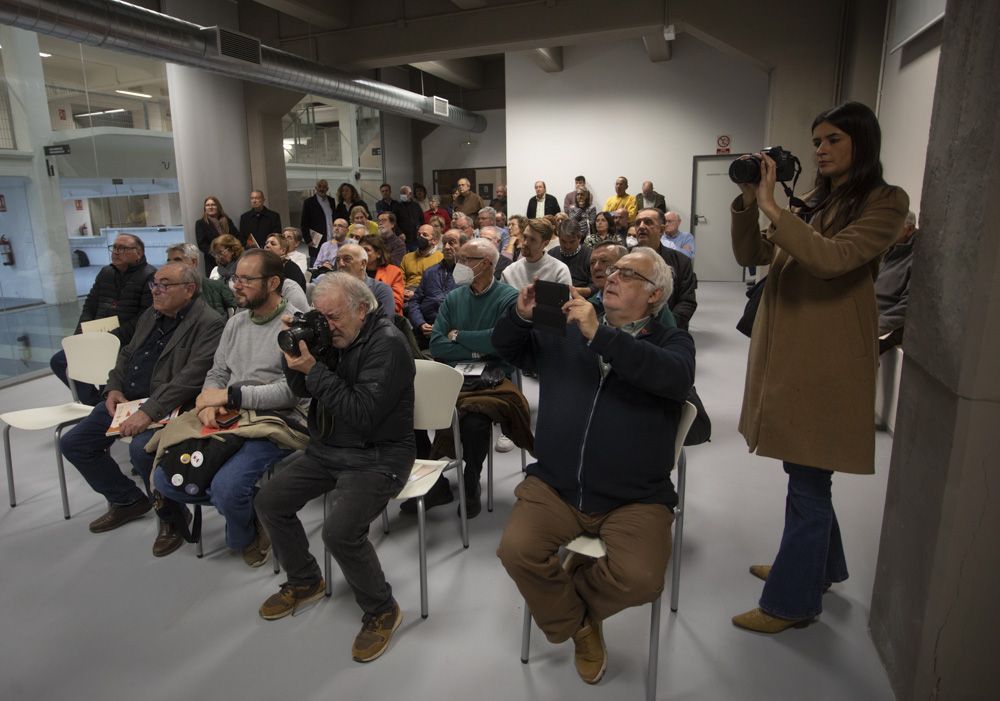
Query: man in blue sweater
[627,374]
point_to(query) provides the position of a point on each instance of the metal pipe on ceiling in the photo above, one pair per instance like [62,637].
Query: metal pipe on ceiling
[120,26]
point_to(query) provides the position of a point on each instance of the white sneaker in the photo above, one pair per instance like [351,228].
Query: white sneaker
[504,444]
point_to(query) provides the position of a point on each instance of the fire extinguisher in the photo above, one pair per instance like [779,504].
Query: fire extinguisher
[6,250]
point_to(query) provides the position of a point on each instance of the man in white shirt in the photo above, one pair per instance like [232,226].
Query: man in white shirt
[534,263]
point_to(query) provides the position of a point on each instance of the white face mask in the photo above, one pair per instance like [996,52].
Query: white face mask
[404,198]
[631,242]
[462,274]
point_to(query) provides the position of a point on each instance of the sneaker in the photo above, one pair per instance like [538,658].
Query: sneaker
[376,632]
[439,494]
[290,598]
[591,656]
[257,552]
[120,514]
[504,444]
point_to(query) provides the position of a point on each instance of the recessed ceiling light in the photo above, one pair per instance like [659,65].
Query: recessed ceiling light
[133,94]
[44,55]
[97,114]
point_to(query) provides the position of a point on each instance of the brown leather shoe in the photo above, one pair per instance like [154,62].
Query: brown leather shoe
[760,621]
[170,537]
[376,632]
[591,655]
[120,514]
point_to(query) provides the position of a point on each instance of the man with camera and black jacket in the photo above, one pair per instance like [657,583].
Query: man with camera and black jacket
[357,370]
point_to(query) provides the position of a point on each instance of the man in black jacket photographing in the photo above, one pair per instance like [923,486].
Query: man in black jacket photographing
[360,450]
[611,391]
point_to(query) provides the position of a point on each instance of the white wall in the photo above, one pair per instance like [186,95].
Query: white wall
[21,279]
[447,148]
[905,118]
[612,112]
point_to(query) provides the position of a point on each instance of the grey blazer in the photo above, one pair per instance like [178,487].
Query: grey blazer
[181,368]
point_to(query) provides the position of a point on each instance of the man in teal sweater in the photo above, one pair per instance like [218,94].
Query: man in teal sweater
[461,333]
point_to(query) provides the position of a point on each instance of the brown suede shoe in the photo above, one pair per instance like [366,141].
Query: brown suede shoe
[170,537]
[375,634]
[591,655]
[762,622]
[119,514]
[257,552]
[290,598]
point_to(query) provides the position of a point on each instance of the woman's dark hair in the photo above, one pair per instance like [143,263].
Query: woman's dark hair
[417,187]
[355,197]
[378,245]
[860,123]
[609,218]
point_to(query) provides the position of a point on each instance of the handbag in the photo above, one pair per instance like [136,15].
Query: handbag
[745,324]
[191,464]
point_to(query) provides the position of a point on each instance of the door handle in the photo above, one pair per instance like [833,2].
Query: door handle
[699,219]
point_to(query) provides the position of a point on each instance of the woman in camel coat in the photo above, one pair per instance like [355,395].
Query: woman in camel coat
[810,386]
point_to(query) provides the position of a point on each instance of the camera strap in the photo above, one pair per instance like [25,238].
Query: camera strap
[804,209]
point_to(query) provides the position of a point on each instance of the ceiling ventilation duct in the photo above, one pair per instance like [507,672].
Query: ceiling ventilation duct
[119,26]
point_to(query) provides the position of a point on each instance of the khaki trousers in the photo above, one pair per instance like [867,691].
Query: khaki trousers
[638,542]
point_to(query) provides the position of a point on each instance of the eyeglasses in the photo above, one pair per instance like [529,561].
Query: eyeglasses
[627,274]
[122,249]
[157,286]
[468,259]
[242,280]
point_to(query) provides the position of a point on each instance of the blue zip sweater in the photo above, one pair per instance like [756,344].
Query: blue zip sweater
[604,441]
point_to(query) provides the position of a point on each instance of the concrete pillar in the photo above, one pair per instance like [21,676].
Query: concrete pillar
[934,617]
[265,106]
[209,124]
[50,259]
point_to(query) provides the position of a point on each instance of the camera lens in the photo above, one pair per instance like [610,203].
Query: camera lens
[288,340]
[745,170]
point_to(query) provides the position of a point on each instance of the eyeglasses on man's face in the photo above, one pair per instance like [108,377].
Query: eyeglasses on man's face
[122,249]
[244,280]
[627,274]
[161,286]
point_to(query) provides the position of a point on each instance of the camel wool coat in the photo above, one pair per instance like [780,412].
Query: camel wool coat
[810,386]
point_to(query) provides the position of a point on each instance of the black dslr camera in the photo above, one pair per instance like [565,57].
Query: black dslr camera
[747,170]
[310,327]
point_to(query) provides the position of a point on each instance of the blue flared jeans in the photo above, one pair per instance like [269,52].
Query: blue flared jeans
[811,554]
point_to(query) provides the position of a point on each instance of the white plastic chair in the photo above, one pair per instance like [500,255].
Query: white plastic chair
[594,547]
[90,357]
[436,387]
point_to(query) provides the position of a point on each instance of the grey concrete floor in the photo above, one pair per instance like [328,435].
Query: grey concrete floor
[98,617]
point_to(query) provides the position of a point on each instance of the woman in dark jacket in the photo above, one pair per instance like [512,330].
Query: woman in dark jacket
[214,222]
[277,244]
[347,199]
[810,387]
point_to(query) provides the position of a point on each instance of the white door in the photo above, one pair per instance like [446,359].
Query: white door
[710,220]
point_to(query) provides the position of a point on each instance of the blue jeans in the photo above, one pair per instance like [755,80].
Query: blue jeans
[87,447]
[87,394]
[232,488]
[811,554]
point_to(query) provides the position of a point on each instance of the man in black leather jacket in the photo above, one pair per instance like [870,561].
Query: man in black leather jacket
[361,450]
[121,289]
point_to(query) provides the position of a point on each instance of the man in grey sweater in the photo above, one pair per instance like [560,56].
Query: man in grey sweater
[246,374]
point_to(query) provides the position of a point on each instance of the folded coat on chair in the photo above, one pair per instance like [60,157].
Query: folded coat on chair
[504,404]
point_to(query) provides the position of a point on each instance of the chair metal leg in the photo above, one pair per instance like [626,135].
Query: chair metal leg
[199,548]
[463,513]
[526,634]
[10,465]
[385,520]
[489,469]
[524,460]
[654,650]
[327,557]
[422,547]
[62,472]
[675,556]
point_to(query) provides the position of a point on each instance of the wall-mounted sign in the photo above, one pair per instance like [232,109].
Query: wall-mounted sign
[78,204]
[57,150]
[62,115]
[377,151]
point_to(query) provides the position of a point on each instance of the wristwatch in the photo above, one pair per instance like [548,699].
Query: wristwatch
[453,335]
